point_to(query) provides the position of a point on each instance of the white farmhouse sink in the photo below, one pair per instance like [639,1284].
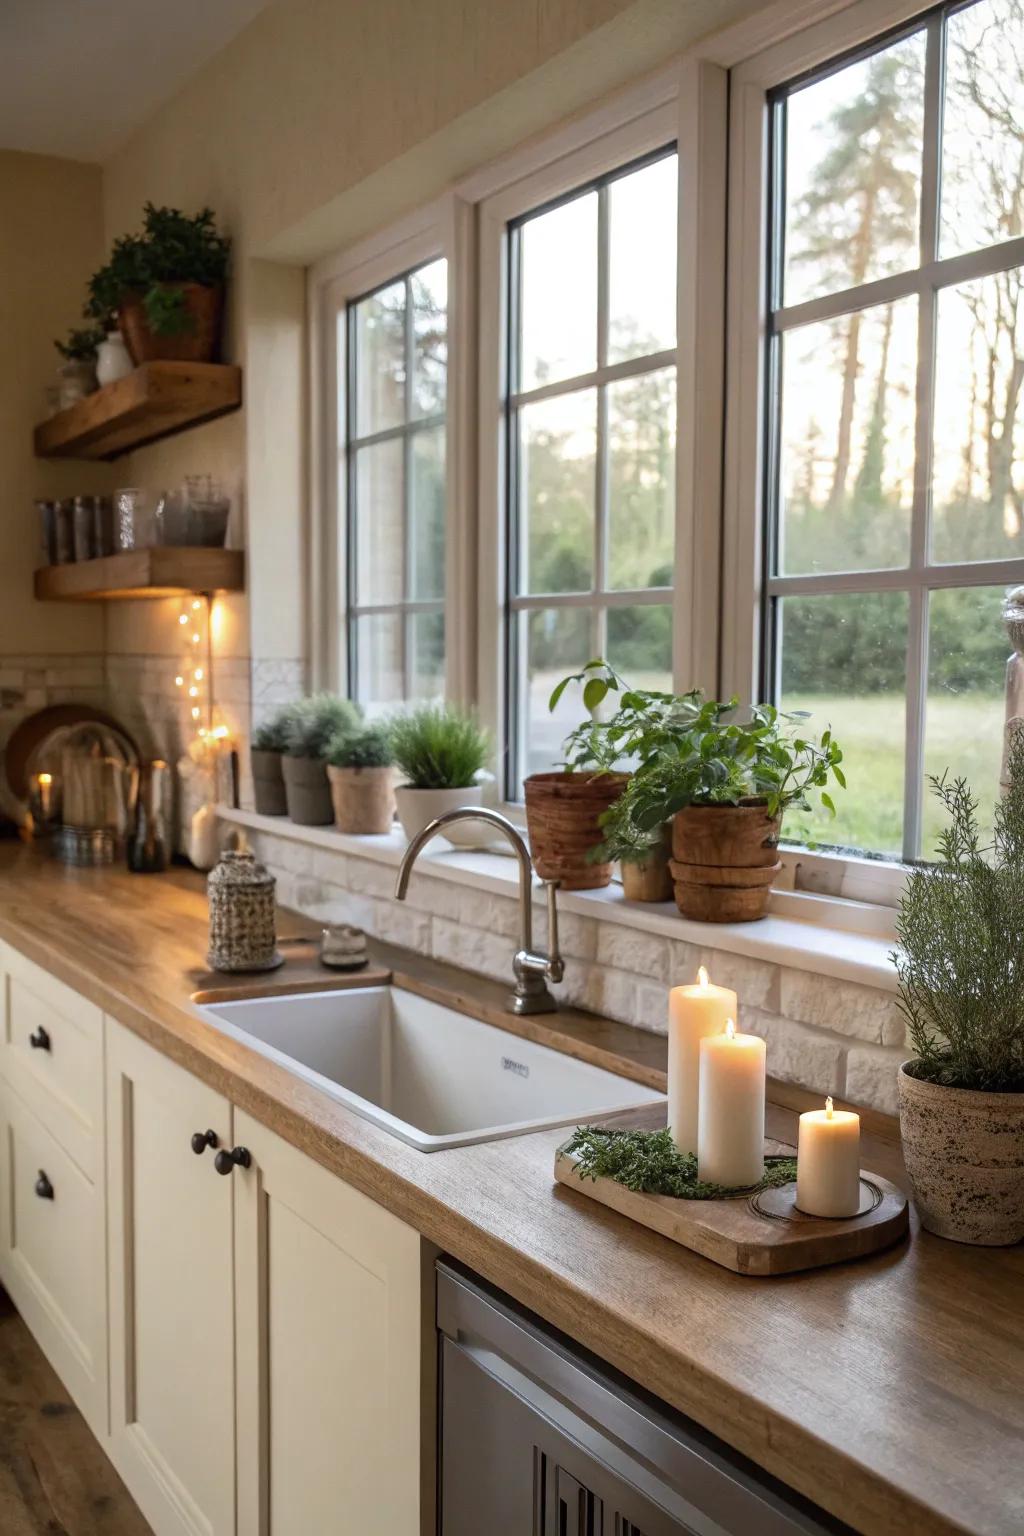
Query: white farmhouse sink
[429,1075]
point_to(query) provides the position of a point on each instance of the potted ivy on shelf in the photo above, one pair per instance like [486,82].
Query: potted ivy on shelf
[166,286]
[643,858]
[361,775]
[311,725]
[441,753]
[269,743]
[960,962]
[77,373]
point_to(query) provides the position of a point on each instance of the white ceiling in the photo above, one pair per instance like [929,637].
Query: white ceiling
[77,76]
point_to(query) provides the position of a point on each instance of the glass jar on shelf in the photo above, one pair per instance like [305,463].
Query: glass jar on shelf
[81,527]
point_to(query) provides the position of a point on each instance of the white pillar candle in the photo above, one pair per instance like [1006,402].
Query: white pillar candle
[730,1131]
[828,1162]
[694,1011]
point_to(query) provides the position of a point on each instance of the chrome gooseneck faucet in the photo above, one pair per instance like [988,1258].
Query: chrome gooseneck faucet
[532,971]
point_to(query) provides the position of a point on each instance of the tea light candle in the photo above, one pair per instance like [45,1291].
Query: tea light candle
[45,782]
[730,1131]
[694,1011]
[828,1162]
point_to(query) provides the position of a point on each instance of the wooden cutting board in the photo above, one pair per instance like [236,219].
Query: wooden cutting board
[762,1234]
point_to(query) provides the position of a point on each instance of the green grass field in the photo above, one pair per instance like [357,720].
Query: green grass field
[963,734]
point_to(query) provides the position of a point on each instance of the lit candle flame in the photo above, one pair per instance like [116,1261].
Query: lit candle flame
[45,778]
[828,1108]
[730,1029]
[702,978]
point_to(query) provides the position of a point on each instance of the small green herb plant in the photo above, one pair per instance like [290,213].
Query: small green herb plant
[173,248]
[81,344]
[439,746]
[312,723]
[272,734]
[650,1163]
[369,747]
[960,937]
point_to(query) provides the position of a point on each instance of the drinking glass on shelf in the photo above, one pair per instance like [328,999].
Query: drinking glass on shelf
[82,527]
[133,520]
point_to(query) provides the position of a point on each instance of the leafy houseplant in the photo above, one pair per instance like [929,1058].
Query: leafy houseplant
[441,753]
[309,727]
[643,858]
[564,808]
[359,767]
[166,285]
[960,960]
[78,370]
[269,741]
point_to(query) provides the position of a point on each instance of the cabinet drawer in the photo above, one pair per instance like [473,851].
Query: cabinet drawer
[52,1228]
[53,1055]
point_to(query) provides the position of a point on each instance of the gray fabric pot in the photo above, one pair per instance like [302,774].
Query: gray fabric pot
[268,783]
[307,790]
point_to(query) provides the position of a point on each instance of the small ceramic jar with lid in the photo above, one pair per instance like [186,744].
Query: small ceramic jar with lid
[243,935]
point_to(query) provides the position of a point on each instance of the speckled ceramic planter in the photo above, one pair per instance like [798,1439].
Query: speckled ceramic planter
[964,1152]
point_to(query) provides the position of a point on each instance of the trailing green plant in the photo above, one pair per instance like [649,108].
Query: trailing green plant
[623,841]
[439,746]
[173,248]
[960,937]
[369,747]
[81,344]
[315,721]
[650,1163]
[272,734]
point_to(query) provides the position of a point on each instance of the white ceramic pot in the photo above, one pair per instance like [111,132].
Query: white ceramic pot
[418,806]
[112,359]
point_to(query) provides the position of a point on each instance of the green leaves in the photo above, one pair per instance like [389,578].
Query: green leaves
[173,248]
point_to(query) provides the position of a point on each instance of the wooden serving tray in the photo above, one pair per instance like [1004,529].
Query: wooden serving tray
[762,1234]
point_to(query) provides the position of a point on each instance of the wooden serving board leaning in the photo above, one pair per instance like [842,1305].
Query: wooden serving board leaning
[762,1234]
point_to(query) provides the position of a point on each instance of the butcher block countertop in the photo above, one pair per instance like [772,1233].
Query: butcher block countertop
[889,1390]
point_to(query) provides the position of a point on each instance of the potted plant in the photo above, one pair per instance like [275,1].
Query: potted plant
[441,752]
[166,285]
[269,742]
[960,960]
[724,784]
[643,857]
[359,768]
[309,726]
[77,372]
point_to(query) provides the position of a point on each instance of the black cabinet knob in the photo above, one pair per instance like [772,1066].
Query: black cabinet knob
[225,1161]
[203,1139]
[44,1189]
[39,1039]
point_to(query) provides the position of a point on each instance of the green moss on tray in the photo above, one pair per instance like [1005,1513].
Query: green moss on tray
[650,1163]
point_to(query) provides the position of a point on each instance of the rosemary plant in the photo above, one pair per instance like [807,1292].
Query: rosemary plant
[650,1163]
[960,933]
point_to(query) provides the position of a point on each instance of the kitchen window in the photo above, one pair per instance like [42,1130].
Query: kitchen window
[395,407]
[893,447]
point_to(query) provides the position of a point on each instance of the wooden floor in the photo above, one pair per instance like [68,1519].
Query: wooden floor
[54,1478]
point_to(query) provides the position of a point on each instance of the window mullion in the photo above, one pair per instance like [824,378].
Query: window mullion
[601,459]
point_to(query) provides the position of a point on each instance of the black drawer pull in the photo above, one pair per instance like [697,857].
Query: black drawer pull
[39,1039]
[44,1189]
[203,1139]
[225,1162]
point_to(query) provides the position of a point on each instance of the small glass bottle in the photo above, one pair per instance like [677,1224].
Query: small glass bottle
[148,844]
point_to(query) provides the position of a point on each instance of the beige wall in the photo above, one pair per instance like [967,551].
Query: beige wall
[51,238]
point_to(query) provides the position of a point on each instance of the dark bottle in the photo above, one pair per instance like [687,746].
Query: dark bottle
[148,852]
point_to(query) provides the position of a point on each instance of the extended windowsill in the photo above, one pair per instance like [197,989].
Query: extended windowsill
[795,932]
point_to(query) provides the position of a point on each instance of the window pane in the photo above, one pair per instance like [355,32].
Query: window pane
[429,338]
[983,127]
[640,644]
[978,474]
[843,658]
[642,261]
[380,360]
[558,261]
[642,480]
[379,677]
[426,513]
[426,656]
[847,441]
[552,642]
[380,523]
[556,498]
[967,651]
[853,173]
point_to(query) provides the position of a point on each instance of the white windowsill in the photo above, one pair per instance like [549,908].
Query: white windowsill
[795,932]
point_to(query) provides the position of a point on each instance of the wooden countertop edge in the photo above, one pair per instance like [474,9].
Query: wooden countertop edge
[330,1134]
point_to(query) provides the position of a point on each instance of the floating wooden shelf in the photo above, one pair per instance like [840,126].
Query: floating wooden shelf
[154,401]
[164,572]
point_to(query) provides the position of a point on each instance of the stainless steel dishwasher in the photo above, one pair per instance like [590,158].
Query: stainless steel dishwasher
[538,1438]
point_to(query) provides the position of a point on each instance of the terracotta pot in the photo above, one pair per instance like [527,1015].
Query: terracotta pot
[964,1152]
[648,879]
[199,344]
[268,783]
[417,807]
[363,799]
[725,858]
[307,791]
[562,817]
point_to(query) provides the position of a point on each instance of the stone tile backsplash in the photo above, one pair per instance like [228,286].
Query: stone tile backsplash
[827,1035]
